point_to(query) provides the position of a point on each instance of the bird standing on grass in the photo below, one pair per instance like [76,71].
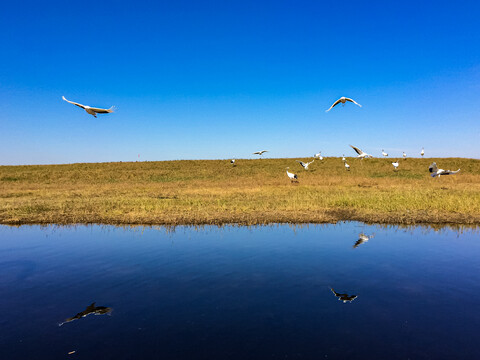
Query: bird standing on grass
[395,165]
[293,177]
[318,156]
[342,100]
[91,110]
[384,153]
[360,153]
[260,152]
[404,156]
[435,171]
[343,157]
[305,165]
[422,152]
[232,162]
[347,166]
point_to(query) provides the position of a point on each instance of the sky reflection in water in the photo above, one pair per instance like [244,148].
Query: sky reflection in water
[237,292]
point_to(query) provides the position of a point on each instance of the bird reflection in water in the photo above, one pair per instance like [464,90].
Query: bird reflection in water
[344,297]
[91,309]
[361,239]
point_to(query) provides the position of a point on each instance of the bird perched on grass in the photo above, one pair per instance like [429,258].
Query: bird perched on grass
[422,152]
[318,156]
[305,165]
[384,153]
[404,156]
[293,177]
[435,171]
[395,165]
[342,100]
[343,157]
[260,152]
[90,110]
[232,162]
[347,166]
[360,153]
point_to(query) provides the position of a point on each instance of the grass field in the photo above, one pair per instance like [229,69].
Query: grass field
[253,192]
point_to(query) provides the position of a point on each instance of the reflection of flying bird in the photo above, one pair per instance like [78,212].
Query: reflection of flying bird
[395,165]
[360,153]
[260,152]
[438,172]
[293,177]
[342,100]
[91,110]
[305,165]
[344,297]
[422,152]
[384,153]
[91,309]
[361,239]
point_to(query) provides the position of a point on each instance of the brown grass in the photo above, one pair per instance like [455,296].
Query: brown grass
[253,192]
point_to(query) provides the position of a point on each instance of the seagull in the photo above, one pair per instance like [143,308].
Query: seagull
[438,172]
[361,239]
[395,165]
[342,100]
[260,152]
[343,157]
[360,153]
[404,156]
[384,153]
[422,152]
[305,165]
[91,110]
[347,166]
[232,162]
[293,177]
[344,297]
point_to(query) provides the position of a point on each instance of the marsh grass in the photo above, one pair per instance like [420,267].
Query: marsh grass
[253,192]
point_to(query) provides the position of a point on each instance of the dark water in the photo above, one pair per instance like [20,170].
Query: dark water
[239,293]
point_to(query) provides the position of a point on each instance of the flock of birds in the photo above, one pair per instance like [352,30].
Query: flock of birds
[434,170]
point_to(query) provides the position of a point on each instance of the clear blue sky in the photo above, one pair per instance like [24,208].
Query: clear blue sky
[221,79]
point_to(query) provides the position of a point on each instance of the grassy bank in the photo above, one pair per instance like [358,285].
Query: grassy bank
[253,192]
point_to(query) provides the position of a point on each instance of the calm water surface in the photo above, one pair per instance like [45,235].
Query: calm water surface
[239,293]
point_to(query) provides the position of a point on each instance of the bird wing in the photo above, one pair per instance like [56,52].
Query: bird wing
[433,168]
[357,150]
[450,172]
[256,153]
[353,101]
[74,103]
[102,111]
[301,162]
[334,104]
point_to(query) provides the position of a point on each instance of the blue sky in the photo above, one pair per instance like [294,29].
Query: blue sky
[221,79]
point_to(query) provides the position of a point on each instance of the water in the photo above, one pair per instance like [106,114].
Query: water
[239,293]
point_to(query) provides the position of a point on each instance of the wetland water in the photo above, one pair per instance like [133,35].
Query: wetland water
[239,293]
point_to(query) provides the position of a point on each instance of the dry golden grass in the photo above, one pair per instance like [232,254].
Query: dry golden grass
[253,192]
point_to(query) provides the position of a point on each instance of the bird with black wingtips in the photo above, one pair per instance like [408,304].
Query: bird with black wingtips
[361,154]
[342,100]
[435,171]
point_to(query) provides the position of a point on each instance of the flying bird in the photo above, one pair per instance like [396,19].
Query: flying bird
[344,297]
[435,171]
[360,153]
[293,177]
[395,165]
[91,309]
[384,153]
[342,100]
[260,152]
[361,239]
[91,110]
[422,152]
[305,165]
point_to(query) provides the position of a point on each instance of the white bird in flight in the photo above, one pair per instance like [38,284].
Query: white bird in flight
[422,152]
[260,152]
[91,110]
[305,165]
[395,165]
[293,177]
[384,153]
[360,153]
[342,100]
[438,172]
